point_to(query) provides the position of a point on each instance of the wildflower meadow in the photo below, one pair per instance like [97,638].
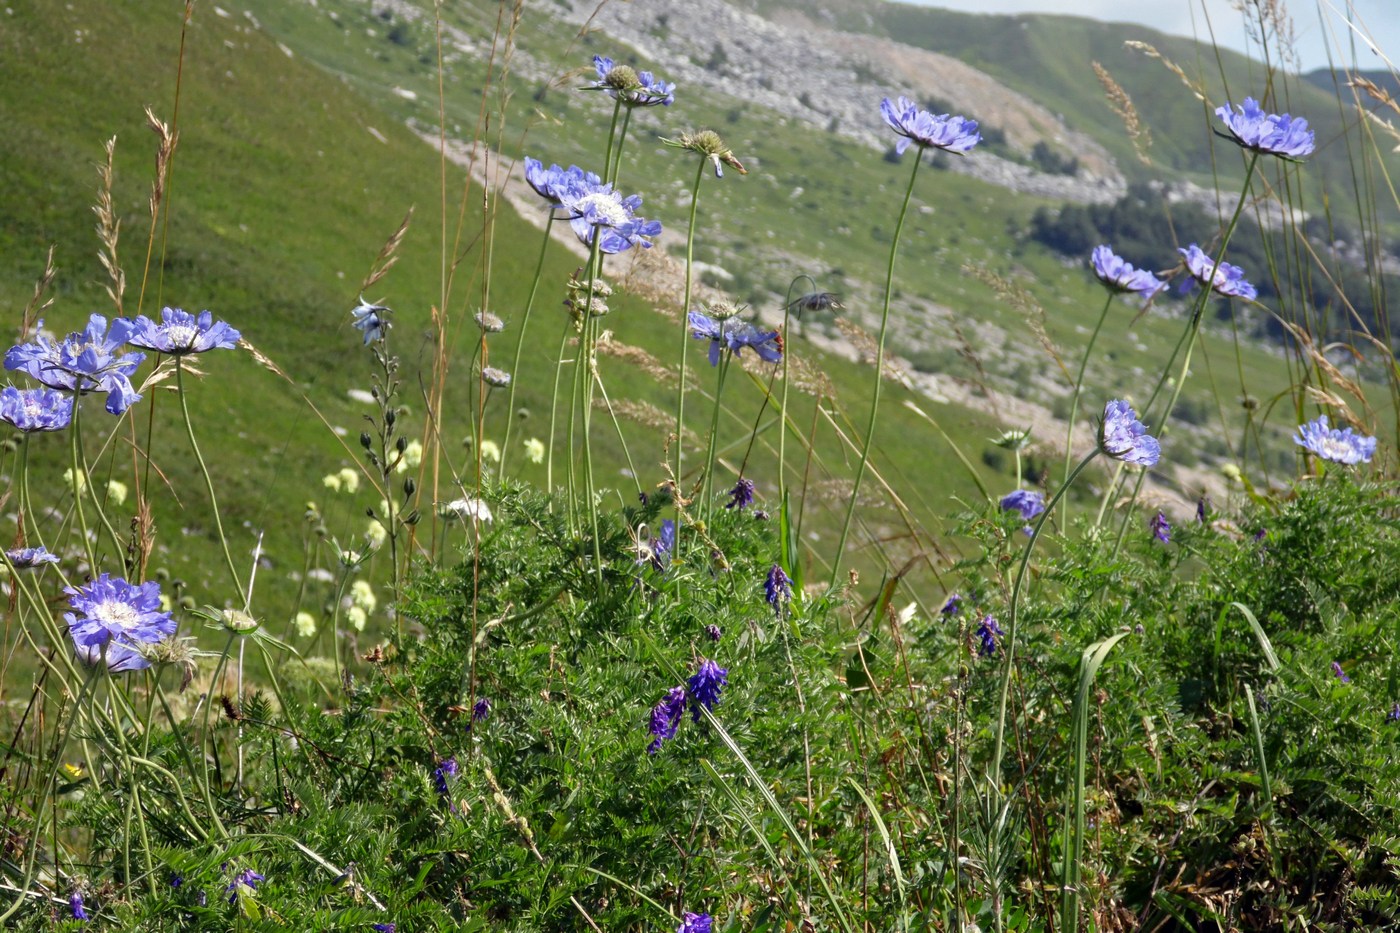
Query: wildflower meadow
[555,576]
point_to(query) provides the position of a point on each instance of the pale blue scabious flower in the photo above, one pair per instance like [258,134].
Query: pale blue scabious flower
[1118,275]
[705,686]
[598,210]
[634,88]
[951,134]
[695,923]
[553,182]
[1026,501]
[27,558]
[1228,280]
[112,612]
[83,362]
[1123,437]
[733,335]
[1268,133]
[665,718]
[371,319]
[1339,445]
[32,410]
[180,332]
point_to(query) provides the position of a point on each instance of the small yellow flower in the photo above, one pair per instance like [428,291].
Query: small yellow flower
[73,771]
[490,450]
[331,481]
[305,624]
[375,532]
[68,479]
[362,595]
[534,450]
[349,480]
[356,617]
[116,491]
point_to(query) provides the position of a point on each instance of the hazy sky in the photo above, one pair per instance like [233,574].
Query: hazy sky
[1317,24]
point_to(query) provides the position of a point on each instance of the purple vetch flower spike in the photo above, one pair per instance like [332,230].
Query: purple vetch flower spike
[777,589]
[1339,673]
[83,362]
[31,410]
[1228,280]
[663,548]
[384,927]
[443,775]
[245,884]
[371,319]
[988,630]
[713,632]
[1161,528]
[76,908]
[1118,275]
[695,923]
[951,134]
[705,686]
[741,496]
[1338,445]
[953,606]
[665,718]
[481,709]
[1123,437]
[1394,714]
[1202,508]
[180,332]
[1267,133]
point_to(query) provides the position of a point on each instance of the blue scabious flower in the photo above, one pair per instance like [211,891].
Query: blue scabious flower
[27,558]
[953,606]
[1123,437]
[634,88]
[32,410]
[112,612]
[246,879]
[553,182]
[1026,501]
[1337,445]
[777,589]
[665,718]
[1161,528]
[371,319]
[695,923]
[180,332]
[1268,133]
[75,906]
[83,362]
[1118,275]
[734,335]
[705,686]
[741,496]
[951,134]
[988,630]
[595,209]
[1228,279]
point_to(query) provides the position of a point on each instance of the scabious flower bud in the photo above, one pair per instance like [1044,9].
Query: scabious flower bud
[711,146]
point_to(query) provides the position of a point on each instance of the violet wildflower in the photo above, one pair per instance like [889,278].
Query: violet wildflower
[817,301]
[695,923]
[988,630]
[83,362]
[953,606]
[180,332]
[481,709]
[1118,275]
[1394,714]
[665,718]
[777,589]
[31,410]
[117,657]
[1338,445]
[1267,133]
[27,558]
[951,134]
[442,775]
[1028,502]
[551,183]
[734,335]
[384,927]
[1161,528]
[114,613]
[248,879]
[634,88]
[75,906]
[1202,507]
[371,319]
[1228,280]
[713,632]
[705,686]
[1123,437]
[596,210]
[741,496]
[1339,673]
[663,548]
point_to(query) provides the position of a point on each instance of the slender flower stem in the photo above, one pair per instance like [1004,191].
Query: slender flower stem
[879,375]
[1009,640]
[588,373]
[708,488]
[75,447]
[519,346]
[554,414]
[1079,384]
[783,401]
[685,326]
[204,471]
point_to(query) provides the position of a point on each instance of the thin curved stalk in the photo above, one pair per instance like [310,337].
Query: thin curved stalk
[685,326]
[520,346]
[204,471]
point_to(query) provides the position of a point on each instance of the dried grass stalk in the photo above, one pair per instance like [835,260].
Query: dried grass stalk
[1122,105]
[109,230]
